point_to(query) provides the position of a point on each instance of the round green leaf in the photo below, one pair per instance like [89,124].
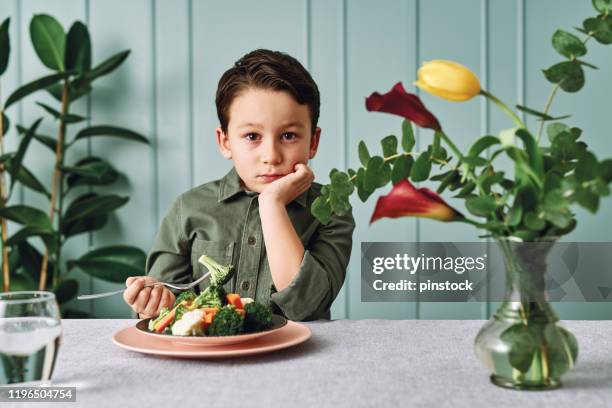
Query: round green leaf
[568,44]
[600,29]
[389,145]
[401,168]
[364,155]
[569,75]
[408,139]
[481,206]
[421,168]
[603,6]
[321,210]
[49,41]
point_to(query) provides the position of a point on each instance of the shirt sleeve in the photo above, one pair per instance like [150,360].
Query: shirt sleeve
[322,271]
[169,258]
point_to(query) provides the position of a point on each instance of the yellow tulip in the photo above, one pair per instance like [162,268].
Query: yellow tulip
[448,80]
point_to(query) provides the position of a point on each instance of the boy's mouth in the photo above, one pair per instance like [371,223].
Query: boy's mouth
[270,176]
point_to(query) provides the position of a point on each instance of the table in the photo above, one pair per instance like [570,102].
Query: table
[346,363]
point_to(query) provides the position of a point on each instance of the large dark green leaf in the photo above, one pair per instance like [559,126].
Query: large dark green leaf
[68,118]
[34,86]
[78,48]
[48,141]
[6,124]
[91,171]
[49,41]
[568,44]
[30,260]
[16,161]
[48,236]
[87,224]
[105,67]
[5,45]
[113,263]
[27,215]
[90,205]
[110,131]
[75,91]
[27,178]
[66,290]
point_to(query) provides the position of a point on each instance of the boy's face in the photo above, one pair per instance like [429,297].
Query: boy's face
[267,135]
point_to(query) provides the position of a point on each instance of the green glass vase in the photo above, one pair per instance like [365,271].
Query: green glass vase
[524,345]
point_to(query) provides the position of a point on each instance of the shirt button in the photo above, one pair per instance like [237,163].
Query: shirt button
[245,285]
[251,240]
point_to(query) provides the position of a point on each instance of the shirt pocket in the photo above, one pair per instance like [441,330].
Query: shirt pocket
[220,251]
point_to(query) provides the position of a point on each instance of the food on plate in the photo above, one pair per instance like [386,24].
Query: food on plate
[213,312]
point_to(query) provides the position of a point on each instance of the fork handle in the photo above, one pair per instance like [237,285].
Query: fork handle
[114,292]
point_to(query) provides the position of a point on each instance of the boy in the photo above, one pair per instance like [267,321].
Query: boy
[257,217]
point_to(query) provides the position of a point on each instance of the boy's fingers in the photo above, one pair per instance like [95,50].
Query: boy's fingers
[153,302]
[130,294]
[166,300]
[142,300]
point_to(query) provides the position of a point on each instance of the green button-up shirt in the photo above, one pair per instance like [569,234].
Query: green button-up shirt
[221,219]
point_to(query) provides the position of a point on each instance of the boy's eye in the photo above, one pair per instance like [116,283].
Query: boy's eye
[289,136]
[252,137]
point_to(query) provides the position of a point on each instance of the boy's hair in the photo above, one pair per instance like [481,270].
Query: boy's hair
[272,70]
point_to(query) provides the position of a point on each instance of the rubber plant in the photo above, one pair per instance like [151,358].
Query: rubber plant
[523,344]
[68,56]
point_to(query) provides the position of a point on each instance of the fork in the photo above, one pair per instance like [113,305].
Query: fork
[176,286]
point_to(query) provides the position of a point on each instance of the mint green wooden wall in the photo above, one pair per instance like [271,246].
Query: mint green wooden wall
[352,47]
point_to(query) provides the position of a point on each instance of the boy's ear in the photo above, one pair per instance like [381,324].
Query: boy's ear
[223,143]
[314,143]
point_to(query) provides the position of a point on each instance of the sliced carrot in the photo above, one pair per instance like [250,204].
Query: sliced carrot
[234,299]
[212,310]
[165,321]
[208,318]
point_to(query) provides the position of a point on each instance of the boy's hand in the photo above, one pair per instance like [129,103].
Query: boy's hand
[287,188]
[147,302]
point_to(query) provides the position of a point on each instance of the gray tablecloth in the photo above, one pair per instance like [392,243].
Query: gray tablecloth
[346,363]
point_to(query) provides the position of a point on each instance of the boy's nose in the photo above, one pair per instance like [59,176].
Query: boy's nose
[271,153]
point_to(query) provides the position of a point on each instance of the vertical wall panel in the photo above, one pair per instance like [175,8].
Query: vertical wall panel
[326,33]
[380,51]
[451,35]
[126,98]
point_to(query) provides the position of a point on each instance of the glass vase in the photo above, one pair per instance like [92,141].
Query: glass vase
[524,345]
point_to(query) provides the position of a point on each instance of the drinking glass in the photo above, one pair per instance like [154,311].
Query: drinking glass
[30,336]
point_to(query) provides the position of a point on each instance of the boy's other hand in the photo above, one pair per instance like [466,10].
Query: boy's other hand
[147,302]
[287,188]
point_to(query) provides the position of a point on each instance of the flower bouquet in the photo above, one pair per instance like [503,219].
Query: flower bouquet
[523,345]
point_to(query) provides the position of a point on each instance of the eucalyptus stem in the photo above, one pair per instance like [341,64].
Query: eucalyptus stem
[503,107]
[553,92]
[55,186]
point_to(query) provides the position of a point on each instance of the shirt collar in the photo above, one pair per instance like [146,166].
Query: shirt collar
[231,184]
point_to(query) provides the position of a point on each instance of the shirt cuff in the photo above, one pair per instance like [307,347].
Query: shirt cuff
[308,294]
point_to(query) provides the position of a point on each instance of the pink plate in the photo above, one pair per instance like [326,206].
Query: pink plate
[289,335]
[206,341]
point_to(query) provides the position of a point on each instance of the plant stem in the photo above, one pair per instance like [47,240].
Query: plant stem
[503,107]
[546,109]
[552,96]
[6,273]
[55,186]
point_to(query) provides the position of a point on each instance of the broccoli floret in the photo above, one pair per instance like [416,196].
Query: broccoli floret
[212,296]
[227,322]
[187,295]
[180,311]
[220,274]
[258,317]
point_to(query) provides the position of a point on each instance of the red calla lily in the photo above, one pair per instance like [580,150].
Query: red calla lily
[406,200]
[399,102]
